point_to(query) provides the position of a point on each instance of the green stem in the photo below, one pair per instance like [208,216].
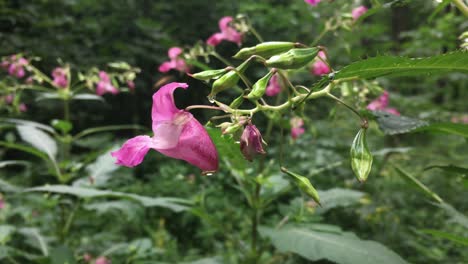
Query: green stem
[219,57]
[66,110]
[320,36]
[460,4]
[347,106]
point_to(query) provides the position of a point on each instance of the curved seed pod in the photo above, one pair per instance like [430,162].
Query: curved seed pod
[304,184]
[258,89]
[229,79]
[361,157]
[293,59]
[207,75]
[237,102]
[265,49]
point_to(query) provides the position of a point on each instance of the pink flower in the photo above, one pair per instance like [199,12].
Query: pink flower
[16,66]
[381,103]
[87,257]
[319,67]
[274,86]
[105,85]
[227,33]
[60,77]
[131,85]
[29,80]
[22,107]
[9,99]
[312,2]
[177,134]
[297,128]
[358,12]
[102,260]
[175,61]
[251,142]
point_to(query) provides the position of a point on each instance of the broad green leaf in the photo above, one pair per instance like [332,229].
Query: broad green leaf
[5,233]
[446,128]
[452,237]
[456,215]
[419,185]
[35,239]
[62,125]
[226,145]
[449,168]
[392,124]
[401,66]
[47,96]
[175,204]
[6,163]
[100,171]
[125,207]
[29,123]
[38,139]
[338,247]
[338,197]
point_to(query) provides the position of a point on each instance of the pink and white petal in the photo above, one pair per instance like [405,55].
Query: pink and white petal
[164,107]
[215,39]
[224,23]
[174,52]
[133,151]
[392,111]
[103,76]
[165,67]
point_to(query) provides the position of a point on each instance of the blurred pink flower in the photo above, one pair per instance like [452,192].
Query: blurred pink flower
[358,12]
[16,66]
[297,127]
[175,61]
[60,77]
[274,86]
[381,103]
[251,142]
[319,67]
[87,257]
[105,85]
[177,134]
[102,260]
[131,85]
[227,33]
[9,98]
[29,80]
[312,2]
[22,107]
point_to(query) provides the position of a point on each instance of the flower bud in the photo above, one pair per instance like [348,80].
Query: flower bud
[361,157]
[229,79]
[207,75]
[251,142]
[265,49]
[304,184]
[237,102]
[293,59]
[259,88]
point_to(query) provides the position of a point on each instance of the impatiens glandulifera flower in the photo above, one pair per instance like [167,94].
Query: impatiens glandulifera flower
[177,134]
[227,33]
[312,2]
[297,128]
[60,77]
[319,67]
[251,142]
[22,107]
[381,103]
[358,12]
[105,85]
[131,85]
[175,61]
[102,260]
[274,86]
[15,66]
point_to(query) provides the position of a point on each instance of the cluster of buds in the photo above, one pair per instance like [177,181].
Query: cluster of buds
[15,65]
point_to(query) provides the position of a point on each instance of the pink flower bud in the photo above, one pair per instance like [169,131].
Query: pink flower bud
[358,12]
[105,85]
[23,108]
[297,128]
[60,77]
[274,86]
[102,260]
[251,142]
[320,68]
[312,2]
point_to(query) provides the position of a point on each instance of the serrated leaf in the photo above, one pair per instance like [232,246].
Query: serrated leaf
[339,247]
[401,66]
[175,204]
[337,197]
[392,124]
[5,233]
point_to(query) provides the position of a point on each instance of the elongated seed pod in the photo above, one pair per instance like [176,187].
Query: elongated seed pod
[210,74]
[292,59]
[361,157]
[229,79]
[265,49]
[259,87]
[304,184]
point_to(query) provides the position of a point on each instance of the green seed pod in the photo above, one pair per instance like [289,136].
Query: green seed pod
[293,59]
[258,89]
[228,80]
[207,75]
[304,184]
[265,49]
[237,102]
[361,157]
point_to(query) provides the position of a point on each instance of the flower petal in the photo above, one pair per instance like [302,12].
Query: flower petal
[224,23]
[164,107]
[133,151]
[174,52]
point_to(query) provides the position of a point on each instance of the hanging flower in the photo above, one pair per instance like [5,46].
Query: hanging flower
[297,127]
[319,67]
[274,86]
[105,85]
[251,142]
[60,77]
[312,2]
[175,61]
[358,12]
[177,134]
[381,103]
[227,33]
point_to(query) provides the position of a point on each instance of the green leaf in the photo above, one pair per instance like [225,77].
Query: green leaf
[400,66]
[338,247]
[87,97]
[175,204]
[456,215]
[5,233]
[100,171]
[123,207]
[38,139]
[62,125]
[449,168]
[29,123]
[392,124]
[212,260]
[419,185]
[62,255]
[452,237]
[231,151]
[35,239]
[446,128]
[338,197]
